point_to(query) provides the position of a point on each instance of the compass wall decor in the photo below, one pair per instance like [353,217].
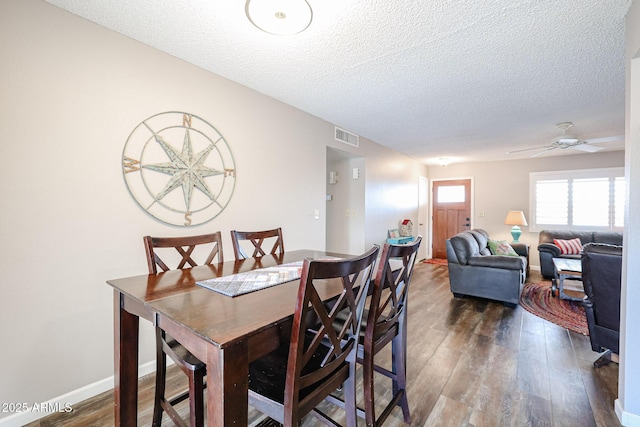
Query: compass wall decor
[179,168]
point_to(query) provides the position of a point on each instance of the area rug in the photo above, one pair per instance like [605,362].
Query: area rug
[536,298]
[436,261]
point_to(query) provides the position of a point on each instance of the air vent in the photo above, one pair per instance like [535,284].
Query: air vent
[347,137]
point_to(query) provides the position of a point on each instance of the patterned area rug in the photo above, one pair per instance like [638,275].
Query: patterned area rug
[436,261]
[536,299]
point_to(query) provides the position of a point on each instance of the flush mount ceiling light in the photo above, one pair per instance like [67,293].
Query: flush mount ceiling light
[444,161]
[281,17]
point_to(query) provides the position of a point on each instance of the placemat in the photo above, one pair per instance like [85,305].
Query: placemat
[250,281]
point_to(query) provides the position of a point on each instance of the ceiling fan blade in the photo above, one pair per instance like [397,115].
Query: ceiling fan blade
[553,147]
[605,139]
[586,148]
[528,149]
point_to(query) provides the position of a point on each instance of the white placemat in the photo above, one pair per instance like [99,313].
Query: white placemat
[250,281]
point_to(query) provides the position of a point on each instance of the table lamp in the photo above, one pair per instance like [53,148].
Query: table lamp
[515,218]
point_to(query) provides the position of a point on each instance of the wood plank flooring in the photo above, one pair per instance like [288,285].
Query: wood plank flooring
[471,362]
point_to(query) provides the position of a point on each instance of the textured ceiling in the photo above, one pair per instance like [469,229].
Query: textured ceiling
[463,79]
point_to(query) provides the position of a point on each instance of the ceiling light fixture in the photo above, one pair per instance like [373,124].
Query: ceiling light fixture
[280,17]
[444,161]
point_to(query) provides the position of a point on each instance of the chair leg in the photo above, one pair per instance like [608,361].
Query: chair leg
[368,389]
[350,395]
[604,359]
[161,376]
[196,398]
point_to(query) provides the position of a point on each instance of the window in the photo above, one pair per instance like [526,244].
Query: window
[578,200]
[618,201]
[451,194]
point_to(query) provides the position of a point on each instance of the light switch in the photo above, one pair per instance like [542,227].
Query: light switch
[356,173]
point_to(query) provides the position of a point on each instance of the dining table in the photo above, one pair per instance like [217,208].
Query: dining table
[225,332]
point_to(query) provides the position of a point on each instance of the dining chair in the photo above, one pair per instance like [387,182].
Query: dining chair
[386,322]
[209,246]
[257,239]
[319,357]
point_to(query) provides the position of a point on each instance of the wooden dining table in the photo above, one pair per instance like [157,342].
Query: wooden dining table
[227,333]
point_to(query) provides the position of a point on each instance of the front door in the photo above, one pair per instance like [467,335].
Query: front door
[451,212]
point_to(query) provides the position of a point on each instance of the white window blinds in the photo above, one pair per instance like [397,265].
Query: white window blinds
[584,199]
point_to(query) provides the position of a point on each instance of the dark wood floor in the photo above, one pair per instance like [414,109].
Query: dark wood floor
[471,363]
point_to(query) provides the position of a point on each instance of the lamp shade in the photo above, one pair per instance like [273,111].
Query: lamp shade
[515,218]
[281,17]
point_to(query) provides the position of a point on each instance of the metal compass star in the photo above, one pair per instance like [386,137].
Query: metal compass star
[186,169]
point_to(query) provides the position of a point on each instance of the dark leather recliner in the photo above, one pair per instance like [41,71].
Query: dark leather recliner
[601,276]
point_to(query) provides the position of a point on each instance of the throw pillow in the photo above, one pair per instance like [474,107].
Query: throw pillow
[501,247]
[569,247]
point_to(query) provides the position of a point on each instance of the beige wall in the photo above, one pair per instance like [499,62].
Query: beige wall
[70,94]
[503,186]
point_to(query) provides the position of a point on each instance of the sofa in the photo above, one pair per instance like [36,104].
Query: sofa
[601,276]
[474,271]
[548,250]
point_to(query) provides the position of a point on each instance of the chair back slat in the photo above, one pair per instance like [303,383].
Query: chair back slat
[257,240]
[185,247]
[319,345]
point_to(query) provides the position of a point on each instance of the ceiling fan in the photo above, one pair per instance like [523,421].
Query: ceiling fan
[570,141]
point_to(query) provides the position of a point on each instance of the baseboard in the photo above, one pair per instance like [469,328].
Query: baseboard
[65,402]
[627,419]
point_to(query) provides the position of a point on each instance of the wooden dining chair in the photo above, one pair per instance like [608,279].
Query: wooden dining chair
[257,239]
[209,246]
[290,382]
[386,322]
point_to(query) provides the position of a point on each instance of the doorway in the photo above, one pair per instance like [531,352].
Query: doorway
[345,224]
[423,215]
[451,212]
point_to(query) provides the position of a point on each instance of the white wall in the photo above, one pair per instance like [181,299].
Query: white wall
[70,94]
[391,193]
[500,187]
[628,402]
